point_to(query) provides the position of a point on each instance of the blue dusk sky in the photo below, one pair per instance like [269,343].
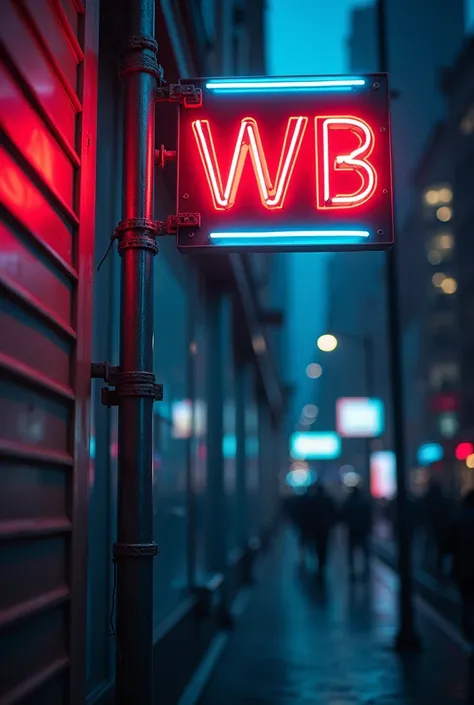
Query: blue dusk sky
[313,45]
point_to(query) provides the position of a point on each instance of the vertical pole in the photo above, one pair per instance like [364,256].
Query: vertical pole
[407,637]
[370,389]
[135,388]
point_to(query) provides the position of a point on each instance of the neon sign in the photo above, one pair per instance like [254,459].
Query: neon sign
[360,417]
[315,445]
[288,164]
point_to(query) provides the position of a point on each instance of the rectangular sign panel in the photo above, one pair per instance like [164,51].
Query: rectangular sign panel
[315,445]
[359,417]
[286,164]
[383,474]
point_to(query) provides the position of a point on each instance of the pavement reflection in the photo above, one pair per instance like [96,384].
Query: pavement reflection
[329,642]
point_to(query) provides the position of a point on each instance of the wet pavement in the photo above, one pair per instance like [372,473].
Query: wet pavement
[302,642]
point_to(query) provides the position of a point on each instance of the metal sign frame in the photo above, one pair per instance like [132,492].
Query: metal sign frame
[285,164]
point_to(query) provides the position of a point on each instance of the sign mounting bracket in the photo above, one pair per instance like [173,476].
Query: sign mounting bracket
[186,94]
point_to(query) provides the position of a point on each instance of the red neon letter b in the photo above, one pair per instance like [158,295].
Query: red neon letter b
[332,160]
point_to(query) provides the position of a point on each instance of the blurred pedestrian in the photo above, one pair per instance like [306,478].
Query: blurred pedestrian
[460,544]
[357,515]
[436,519]
[321,520]
[299,512]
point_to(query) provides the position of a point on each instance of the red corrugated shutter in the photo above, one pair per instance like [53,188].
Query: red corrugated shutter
[48,87]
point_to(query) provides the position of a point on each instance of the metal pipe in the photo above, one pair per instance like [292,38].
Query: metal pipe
[407,638]
[134,550]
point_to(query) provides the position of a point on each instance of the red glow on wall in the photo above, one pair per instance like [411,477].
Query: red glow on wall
[272,193]
[345,178]
[14,186]
[463,450]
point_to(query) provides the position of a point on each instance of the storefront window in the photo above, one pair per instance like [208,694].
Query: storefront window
[171,434]
[252,455]
[229,440]
[199,438]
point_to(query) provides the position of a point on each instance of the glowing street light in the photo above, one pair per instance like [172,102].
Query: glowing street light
[327,342]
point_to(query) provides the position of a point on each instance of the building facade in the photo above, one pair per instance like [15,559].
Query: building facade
[362,41]
[458,87]
[422,38]
[356,283]
[428,269]
[437,271]
[216,437]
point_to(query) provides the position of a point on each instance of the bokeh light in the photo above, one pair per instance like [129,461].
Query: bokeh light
[445,241]
[444,214]
[351,479]
[314,370]
[449,285]
[310,411]
[434,257]
[438,279]
[445,195]
[327,342]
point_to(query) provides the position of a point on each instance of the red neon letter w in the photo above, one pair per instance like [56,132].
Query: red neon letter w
[248,140]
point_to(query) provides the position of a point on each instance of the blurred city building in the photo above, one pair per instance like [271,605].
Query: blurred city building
[218,350]
[428,275]
[362,45]
[436,290]
[458,85]
[423,37]
[357,317]
[418,49]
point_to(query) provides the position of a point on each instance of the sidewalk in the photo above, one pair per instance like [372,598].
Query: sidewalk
[441,593]
[298,643]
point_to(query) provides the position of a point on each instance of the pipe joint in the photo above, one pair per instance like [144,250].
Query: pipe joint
[126,384]
[134,550]
[140,55]
[137,233]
